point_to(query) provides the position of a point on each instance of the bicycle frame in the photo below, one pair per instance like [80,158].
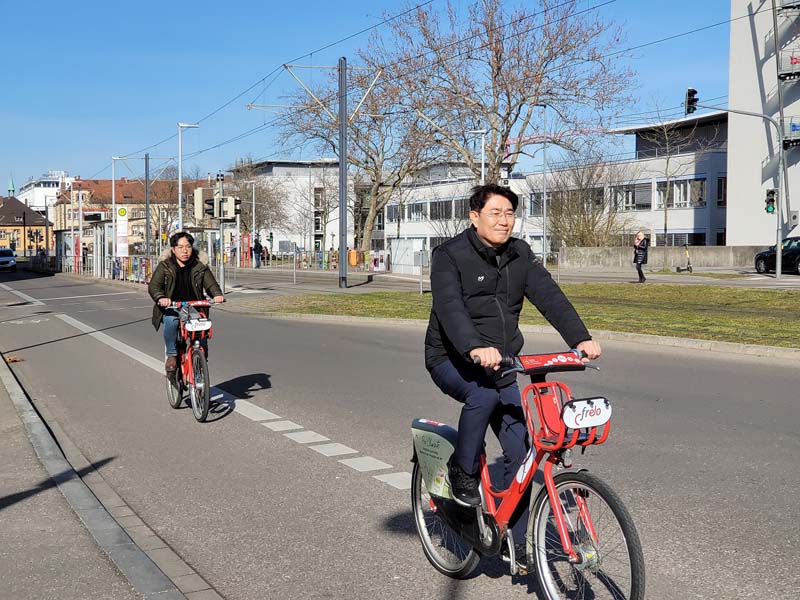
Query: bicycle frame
[549,444]
[190,340]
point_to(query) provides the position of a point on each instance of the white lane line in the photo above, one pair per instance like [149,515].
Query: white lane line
[365,463]
[401,481]
[253,412]
[333,449]
[138,355]
[306,437]
[33,301]
[281,425]
[90,296]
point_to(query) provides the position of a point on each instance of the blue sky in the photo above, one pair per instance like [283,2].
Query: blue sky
[88,80]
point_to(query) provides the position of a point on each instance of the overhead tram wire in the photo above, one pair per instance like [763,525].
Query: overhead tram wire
[335,95]
[429,65]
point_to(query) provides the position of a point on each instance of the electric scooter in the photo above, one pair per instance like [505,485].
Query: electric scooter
[688,261]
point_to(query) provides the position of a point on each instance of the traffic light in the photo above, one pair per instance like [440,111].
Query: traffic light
[237,206]
[227,208]
[690,104]
[270,238]
[771,201]
[204,204]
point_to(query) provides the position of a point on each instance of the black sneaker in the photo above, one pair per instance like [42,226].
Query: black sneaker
[463,485]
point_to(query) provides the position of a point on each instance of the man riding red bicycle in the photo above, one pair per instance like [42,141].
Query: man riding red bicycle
[182,274]
[479,280]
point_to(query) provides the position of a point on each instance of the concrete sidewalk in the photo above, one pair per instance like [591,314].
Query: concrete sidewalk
[45,550]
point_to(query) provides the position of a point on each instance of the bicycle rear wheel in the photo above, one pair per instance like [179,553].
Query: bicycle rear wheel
[443,547]
[612,564]
[199,392]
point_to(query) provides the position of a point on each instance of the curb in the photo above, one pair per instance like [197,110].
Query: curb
[620,336]
[136,566]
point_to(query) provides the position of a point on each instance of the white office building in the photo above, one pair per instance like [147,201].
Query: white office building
[40,193]
[759,84]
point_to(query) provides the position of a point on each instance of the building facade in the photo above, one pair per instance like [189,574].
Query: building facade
[759,83]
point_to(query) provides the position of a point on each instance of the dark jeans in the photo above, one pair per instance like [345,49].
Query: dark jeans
[484,404]
[639,270]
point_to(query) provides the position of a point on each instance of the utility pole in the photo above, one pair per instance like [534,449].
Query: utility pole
[147,205]
[221,183]
[343,121]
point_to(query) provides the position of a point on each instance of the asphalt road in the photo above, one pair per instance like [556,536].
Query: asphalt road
[703,450]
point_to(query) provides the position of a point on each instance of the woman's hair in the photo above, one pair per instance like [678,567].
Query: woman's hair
[176,237]
[481,193]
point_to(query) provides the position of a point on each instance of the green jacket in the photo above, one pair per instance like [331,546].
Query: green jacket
[162,283]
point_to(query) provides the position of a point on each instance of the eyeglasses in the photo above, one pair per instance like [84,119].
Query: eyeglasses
[496,215]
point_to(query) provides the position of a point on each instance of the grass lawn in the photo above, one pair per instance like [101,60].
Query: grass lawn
[748,316]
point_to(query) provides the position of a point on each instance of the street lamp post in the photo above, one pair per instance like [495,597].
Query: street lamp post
[544,180]
[181,127]
[482,133]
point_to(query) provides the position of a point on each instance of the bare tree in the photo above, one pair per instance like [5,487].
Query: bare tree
[385,143]
[270,195]
[491,67]
[583,209]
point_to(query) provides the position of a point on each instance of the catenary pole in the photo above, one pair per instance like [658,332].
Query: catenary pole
[343,172]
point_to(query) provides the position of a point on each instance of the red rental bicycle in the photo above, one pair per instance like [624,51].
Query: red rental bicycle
[192,372]
[581,540]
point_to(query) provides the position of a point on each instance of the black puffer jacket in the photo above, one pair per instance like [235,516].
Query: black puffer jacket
[640,252]
[477,300]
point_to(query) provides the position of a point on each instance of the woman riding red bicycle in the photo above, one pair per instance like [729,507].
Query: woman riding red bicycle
[182,274]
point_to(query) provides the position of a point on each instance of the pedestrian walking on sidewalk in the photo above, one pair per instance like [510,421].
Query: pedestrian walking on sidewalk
[640,245]
[257,253]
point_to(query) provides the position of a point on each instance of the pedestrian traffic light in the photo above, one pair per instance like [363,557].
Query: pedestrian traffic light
[237,206]
[690,104]
[204,203]
[211,207]
[770,201]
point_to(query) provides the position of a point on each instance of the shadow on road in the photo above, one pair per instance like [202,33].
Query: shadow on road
[244,386]
[50,482]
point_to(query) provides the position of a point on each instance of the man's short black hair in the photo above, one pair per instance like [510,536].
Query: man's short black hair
[176,237]
[481,193]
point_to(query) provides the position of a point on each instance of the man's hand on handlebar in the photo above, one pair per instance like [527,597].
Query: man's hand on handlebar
[164,302]
[489,358]
[591,349]
[219,299]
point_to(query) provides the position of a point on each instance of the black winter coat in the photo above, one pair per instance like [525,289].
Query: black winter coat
[640,252]
[477,301]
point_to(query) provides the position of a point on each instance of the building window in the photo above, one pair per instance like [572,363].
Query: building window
[535,204]
[2,235]
[721,238]
[461,208]
[679,239]
[18,219]
[632,196]
[686,193]
[319,198]
[441,210]
[317,224]
[394,213]
[722,193]
[417,211]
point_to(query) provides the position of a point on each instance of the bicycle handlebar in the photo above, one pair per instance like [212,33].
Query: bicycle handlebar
[541,363]
[201,303]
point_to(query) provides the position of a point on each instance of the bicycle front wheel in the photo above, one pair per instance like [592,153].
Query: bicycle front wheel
[602,534]
[175,389]
[443,547]
[199,392]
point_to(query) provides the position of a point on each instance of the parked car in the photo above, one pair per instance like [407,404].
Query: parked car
[8,260]
[765,261]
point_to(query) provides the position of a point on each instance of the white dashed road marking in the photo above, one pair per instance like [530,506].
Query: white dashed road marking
[306,437]
[365,463]
[401,481]
[333,449]
[270,420]
[281,425]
